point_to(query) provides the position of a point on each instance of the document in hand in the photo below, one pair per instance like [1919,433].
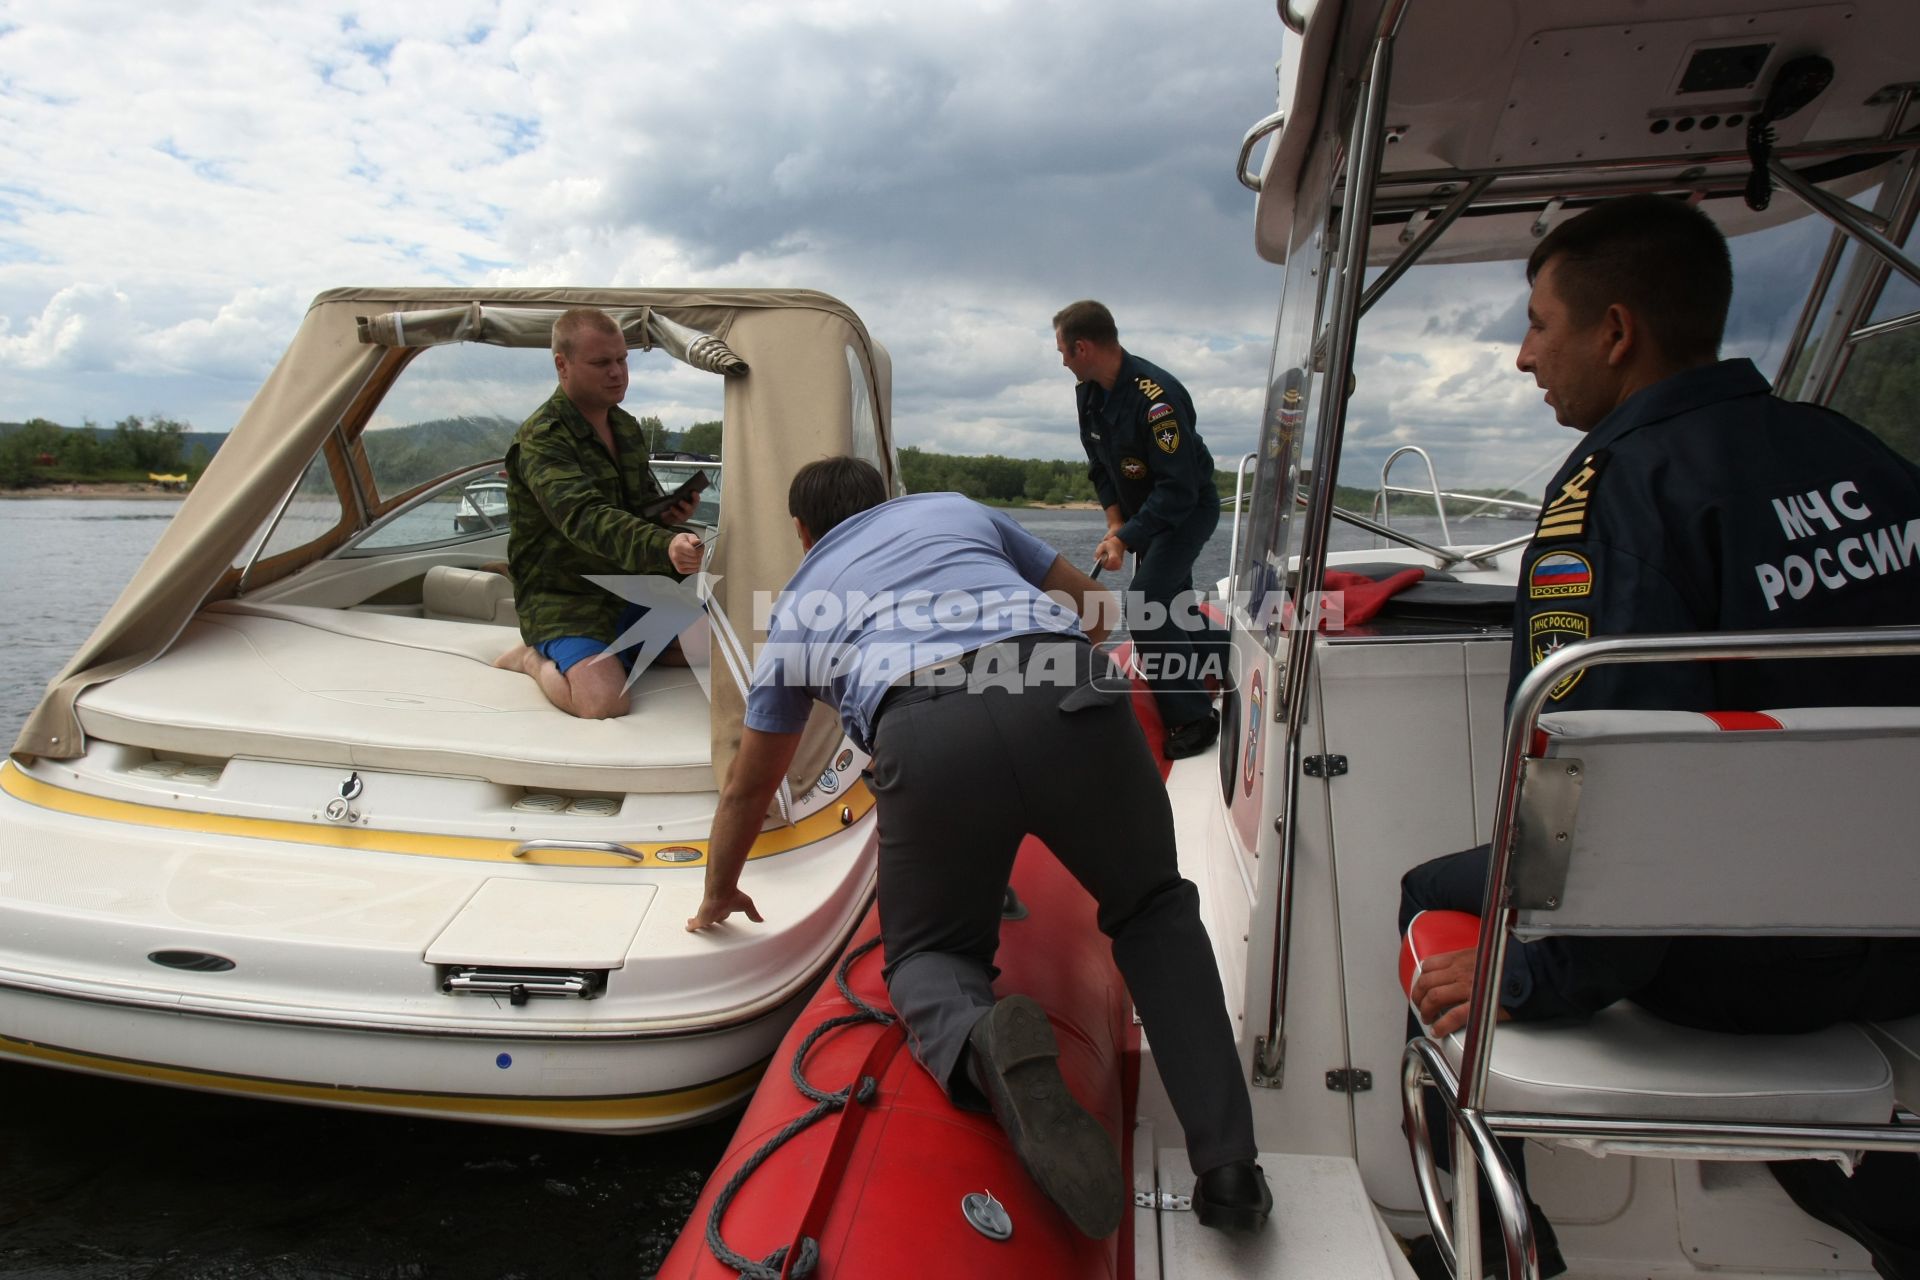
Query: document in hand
[694,486]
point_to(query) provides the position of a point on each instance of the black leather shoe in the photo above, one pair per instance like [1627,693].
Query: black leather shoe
[1193,737]
[1063,1147]
[1233,1197]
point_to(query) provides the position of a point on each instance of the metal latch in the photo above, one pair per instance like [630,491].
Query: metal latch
[1324,766]
[1349,1080]
[1162,1202]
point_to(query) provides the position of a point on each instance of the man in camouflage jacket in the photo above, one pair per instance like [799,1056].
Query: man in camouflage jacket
[577,478]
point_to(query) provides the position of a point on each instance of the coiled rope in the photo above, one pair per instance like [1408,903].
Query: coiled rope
[861,1090]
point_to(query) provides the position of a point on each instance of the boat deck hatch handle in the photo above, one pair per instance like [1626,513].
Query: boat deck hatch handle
[580,846]
[521,985]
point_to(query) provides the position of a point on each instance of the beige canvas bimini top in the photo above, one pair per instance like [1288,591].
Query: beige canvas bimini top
[803,380]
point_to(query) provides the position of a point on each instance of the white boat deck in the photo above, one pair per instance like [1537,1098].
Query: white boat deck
[376,691]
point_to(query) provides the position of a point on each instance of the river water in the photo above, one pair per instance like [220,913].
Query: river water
[100,1178]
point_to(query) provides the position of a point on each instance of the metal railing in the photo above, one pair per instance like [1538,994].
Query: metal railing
[1465,1094]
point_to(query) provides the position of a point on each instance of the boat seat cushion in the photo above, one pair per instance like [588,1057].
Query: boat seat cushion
[1625,1063]
[1900,1041]
[376,691]
[475,595]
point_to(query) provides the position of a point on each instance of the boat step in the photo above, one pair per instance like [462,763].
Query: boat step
[1323,1226]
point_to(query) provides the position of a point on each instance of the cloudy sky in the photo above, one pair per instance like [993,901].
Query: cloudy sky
[177,181]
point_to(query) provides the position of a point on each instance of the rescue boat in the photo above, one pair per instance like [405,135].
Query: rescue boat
[1419,151]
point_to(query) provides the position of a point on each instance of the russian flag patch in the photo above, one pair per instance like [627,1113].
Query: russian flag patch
[1559,574]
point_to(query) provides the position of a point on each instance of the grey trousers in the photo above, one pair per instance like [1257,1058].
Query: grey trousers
[962,774]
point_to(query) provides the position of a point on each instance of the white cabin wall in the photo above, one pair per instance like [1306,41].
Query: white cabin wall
[1406,717]
[1301,1116]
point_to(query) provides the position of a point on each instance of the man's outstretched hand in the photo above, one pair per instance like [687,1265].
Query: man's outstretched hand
[716,910]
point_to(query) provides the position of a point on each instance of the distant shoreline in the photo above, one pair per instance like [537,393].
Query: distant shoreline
[102,489]
[1048,506]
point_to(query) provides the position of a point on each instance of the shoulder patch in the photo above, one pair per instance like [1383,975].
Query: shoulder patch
[1565,514]
[1547,634]
[1558,575]
[1149,388]
[1159,411]
[1167,436]
[1132,468]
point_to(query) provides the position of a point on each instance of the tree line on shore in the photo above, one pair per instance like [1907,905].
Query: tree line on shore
[39,452]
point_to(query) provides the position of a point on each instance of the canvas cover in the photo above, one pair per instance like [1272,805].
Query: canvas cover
[793,403]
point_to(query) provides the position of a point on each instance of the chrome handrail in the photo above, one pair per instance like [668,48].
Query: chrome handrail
[580,846]
[1433,482]
[1844,214]
[1356,224]
[1892,324]
[1233,546]
[1465,1094]
[1260,130]
[1530,698]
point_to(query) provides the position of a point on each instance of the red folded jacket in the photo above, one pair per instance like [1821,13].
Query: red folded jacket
[1362,596]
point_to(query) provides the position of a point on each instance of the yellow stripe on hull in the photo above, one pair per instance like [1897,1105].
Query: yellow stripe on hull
[16,783]
[640,1110]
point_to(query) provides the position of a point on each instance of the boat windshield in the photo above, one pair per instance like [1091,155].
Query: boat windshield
[427,469]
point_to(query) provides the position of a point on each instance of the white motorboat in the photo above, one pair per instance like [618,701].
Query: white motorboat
[280,828]
[1414,133]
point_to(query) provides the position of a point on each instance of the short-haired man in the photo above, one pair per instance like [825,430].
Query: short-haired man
[999,702]
[1154,477]
[578,475]
[1690,504]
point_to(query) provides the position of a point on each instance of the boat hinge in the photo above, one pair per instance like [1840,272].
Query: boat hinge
[1349,1080]
[1162,1202]
[1324,766]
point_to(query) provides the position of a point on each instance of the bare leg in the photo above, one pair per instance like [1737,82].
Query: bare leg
[594,689]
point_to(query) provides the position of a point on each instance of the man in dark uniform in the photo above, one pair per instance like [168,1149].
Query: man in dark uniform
[1697,501]
[578,476]
[1154,477]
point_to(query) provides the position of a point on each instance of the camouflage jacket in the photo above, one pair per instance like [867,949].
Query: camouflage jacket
[571,513]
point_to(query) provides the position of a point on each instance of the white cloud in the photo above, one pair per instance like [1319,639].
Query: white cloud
[84,328]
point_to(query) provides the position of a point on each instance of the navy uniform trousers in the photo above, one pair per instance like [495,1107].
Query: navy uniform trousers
[1163,574]
[962,774]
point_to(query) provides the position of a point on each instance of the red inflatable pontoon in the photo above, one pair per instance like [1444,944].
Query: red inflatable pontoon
[879,1186]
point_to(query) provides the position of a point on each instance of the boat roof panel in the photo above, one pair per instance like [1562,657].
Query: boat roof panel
[1540,91]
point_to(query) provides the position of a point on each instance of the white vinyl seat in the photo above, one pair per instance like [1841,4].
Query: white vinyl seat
[1626,1062]
[469,595]
[1621,823]
[374,691]
[1900,1040]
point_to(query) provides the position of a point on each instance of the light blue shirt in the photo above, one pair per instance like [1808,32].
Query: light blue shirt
[901,586]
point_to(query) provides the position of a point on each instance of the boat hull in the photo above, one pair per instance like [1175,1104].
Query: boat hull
[315,972]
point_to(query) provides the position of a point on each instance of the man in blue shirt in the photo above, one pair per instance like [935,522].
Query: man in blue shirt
[936,628]
[1154,477]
